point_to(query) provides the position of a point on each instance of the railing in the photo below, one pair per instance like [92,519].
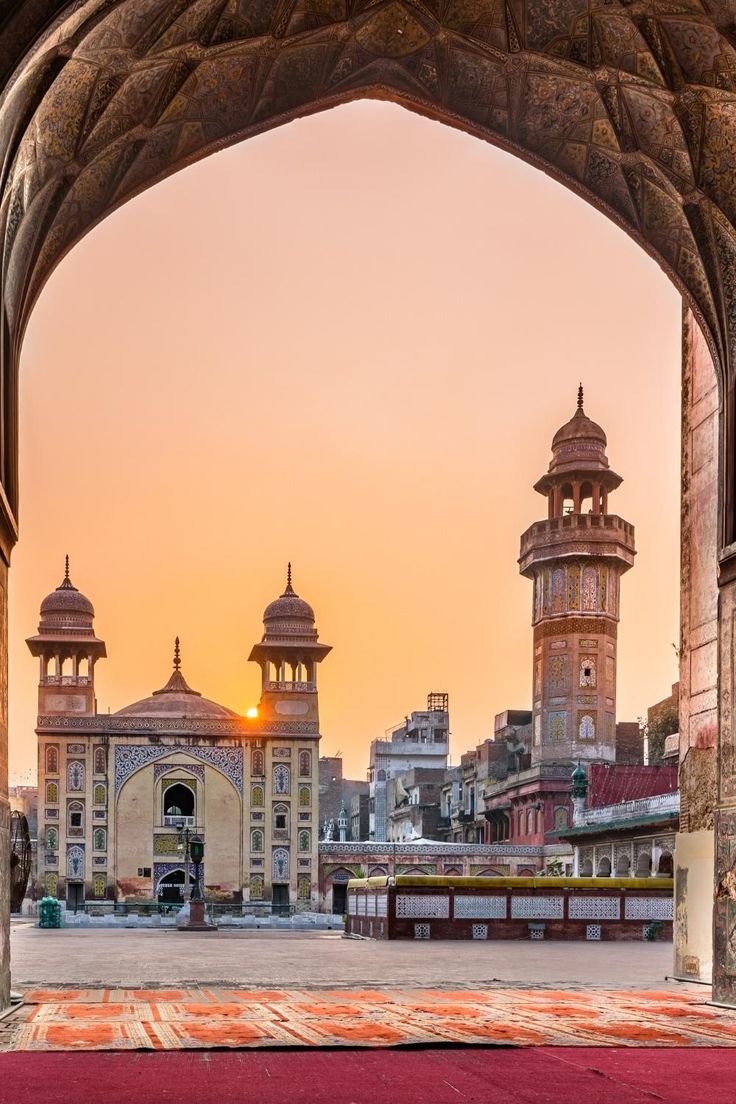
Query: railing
[175,821]
[66,680]
[631,810]
[374,848]
[286,685]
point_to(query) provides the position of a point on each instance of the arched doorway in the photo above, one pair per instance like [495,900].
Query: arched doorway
[605,104]
[170,890]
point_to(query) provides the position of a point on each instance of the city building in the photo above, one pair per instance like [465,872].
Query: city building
[359,816]
[421,741]
[336,793]
[115,789]
[413,802]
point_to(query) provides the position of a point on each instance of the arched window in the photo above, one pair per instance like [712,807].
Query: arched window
[99,760]
[664,867]
[99,839]
[258,764]
[530,822]
[75,862]
[623,865]
[305,797]
[257,796]
[303,887]
[52,793]
[643,864]
[586,868]
[52,839]
[52,760]
[75,775]
[256,887]
[100,885]
[604,867]
[99,794]
[560,819]
[179,802]
[280,779]
[587,671]
[586,729]
[305,764]
[280,818]
[590,588]
[256,840]
[75,819]
[280,865]
[304,840]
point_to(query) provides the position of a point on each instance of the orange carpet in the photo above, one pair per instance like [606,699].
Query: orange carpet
[179,1019]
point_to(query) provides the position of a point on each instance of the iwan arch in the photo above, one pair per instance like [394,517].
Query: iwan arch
[631,105]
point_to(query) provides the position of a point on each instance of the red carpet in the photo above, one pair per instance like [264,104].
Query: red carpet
[448,1076]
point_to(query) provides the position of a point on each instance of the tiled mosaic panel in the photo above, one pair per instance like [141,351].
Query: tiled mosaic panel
[480,931]
[593,931]
[537,908]
[435,906]
[421,931]
[477,907]
[648,908]
[594,908]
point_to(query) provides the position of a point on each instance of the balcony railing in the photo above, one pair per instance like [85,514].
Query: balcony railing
[175,821]
[66,680]
[632,810]
[304,686]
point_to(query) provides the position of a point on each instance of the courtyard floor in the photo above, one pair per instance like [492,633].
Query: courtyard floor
[158,1006]
[297,960]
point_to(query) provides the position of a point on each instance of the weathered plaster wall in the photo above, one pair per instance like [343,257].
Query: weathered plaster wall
[698,655]
[223,835]
[133,835]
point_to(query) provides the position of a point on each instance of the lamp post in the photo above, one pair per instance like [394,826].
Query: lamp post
[197,921]
[185,836]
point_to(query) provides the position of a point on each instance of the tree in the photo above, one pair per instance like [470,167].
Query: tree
[665,722]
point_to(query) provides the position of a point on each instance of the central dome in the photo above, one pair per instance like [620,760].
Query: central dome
[176,700]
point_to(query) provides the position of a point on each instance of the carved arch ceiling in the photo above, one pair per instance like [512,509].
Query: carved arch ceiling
[633,105]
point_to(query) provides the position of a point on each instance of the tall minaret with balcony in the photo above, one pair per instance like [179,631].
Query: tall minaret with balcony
[67,649]
[575,560]
[288,655]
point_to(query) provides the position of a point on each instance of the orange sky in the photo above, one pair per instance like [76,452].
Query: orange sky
[347,343]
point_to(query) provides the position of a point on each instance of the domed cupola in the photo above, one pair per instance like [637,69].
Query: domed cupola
[288,654]
[66,610]
[579,478]
[68,650]
[176,700]
[288,616]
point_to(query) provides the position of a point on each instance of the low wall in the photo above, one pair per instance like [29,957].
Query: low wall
[411,907]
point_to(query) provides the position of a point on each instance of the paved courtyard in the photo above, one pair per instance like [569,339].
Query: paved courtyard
[132,958]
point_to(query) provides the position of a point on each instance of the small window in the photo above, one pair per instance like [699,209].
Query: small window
[144,872]
[75,819]
[280,821]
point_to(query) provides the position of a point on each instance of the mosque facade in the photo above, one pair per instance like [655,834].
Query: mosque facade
[117,792]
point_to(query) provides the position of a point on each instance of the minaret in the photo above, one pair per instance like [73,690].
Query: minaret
[576,559]
[288,655]
[68,650]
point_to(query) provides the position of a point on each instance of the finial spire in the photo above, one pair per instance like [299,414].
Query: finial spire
[288,573]
[580,397]
[177,655]
[66,566]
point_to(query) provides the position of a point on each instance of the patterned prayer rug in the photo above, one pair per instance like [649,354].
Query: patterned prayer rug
[176,1019]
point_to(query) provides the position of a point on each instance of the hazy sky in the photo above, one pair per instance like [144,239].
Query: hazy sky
[347,343]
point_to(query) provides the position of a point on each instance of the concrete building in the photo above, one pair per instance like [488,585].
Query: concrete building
[115,790]
[359,816]
[421,741]
[336,793]
[413,801]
